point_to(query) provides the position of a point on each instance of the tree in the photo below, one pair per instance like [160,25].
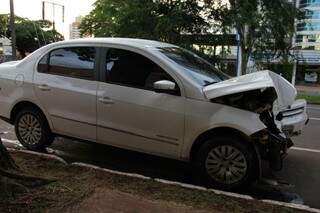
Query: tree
[12,179]
[163,20]
[266,27]
[3,25]
[31,35]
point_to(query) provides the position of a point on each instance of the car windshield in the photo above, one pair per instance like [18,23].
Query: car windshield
[201,70]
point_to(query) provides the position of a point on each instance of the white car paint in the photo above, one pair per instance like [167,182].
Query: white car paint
[258,80]
[154,123]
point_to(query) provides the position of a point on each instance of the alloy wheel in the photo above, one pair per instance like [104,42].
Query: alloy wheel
[226,164]
[29,129]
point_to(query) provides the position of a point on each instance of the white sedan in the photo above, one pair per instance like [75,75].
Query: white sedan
[155,98]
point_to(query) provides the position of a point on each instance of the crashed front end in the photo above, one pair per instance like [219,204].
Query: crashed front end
[273,98]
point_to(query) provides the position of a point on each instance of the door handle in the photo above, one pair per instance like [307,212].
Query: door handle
[106,100]
[44,87]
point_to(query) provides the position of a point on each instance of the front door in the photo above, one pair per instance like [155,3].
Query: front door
[130,113]
[65,84]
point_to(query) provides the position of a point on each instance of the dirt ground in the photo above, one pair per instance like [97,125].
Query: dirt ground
[104,200]
[79,189]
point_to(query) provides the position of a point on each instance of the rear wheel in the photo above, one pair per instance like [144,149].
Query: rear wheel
[32,129]
[226,163]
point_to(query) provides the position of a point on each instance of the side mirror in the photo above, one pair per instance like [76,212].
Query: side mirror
[165,86]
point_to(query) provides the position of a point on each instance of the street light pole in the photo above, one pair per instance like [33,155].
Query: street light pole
[13,31]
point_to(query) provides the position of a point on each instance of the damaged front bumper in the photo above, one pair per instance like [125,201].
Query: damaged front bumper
[274,141]
[293,119]
[277,150]
[272,147]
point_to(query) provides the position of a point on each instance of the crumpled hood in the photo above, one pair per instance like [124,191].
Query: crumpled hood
[258,80]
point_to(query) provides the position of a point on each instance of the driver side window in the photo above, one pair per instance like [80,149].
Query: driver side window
[133,70]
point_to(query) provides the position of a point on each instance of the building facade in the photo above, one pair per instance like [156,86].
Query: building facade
[5,49]
[307,43]
[74,28]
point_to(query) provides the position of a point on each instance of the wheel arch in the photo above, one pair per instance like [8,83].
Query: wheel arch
[223,131]
[21,105]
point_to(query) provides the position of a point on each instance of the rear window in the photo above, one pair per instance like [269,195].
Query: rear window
[77,62]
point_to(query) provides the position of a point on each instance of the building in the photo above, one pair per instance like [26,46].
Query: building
[5,49]
[74,28]
[307,43]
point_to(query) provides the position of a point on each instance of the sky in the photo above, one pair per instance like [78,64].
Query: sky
[32,9]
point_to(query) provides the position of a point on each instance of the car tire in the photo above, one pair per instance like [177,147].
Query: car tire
[32,129]
[226,163]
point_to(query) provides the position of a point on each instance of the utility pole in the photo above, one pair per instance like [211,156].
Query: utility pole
[296,59]
[13,31]
[239,64]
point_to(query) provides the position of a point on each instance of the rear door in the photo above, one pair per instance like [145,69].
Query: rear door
[65,84]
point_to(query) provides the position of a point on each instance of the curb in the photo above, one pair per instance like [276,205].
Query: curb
[188,186]
[48,156]
[110,171]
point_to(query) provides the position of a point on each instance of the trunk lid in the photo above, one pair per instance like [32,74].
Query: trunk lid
[9,63]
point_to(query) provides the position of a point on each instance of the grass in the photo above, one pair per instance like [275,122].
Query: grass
[76,183]
[311,99]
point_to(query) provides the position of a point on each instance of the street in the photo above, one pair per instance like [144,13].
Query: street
[300,176]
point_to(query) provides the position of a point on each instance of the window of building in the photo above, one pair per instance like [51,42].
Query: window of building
[308,38]
[312,14]
[299,38]
[77,62]
[306,3]
[308,27]
[134,70]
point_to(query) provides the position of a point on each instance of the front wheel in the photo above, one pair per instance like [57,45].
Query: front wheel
[32,129]
[226,163]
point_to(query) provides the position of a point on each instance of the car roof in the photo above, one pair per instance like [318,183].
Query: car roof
[139,43]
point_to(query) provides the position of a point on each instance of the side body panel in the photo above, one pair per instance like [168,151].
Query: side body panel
[70,103]
[141,120]
[16,85]
[202,116]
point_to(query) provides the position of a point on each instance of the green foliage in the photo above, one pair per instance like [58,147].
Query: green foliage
[284,69]
[310,98]
[264,26]
[163,20]
[3,25]
[30,35]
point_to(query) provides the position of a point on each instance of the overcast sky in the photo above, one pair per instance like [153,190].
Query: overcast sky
[32,9]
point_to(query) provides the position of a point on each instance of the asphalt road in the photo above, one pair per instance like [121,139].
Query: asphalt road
[300,176]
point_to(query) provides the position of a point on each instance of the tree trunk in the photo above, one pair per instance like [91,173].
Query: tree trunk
[6,161]
[8,187]
[12,179]
[244,61]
